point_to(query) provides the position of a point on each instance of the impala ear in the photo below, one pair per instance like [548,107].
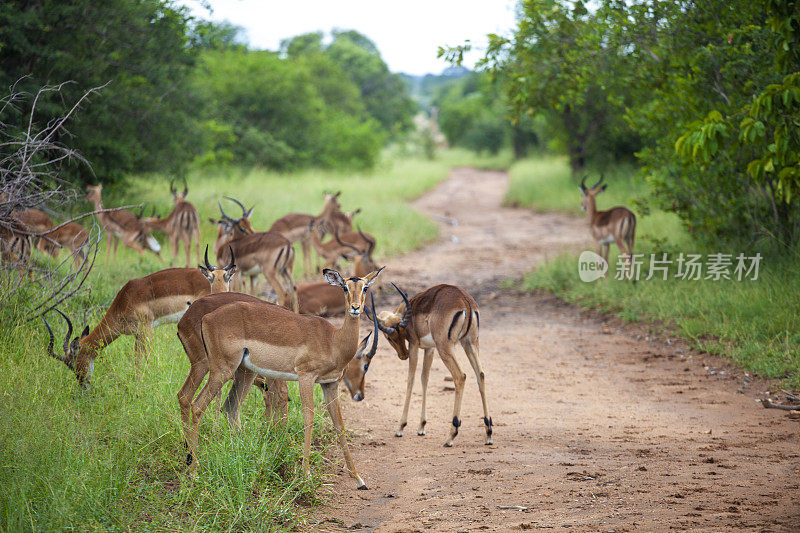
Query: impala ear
[372,276]
[229,274]
[333,277]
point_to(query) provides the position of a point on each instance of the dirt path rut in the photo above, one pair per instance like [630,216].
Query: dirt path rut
[598,426]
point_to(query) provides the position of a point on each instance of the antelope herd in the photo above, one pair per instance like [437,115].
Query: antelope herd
[229,335]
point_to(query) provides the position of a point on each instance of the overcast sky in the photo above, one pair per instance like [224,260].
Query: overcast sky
[407,32]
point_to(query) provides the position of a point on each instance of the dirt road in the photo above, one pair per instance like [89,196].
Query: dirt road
[598,426]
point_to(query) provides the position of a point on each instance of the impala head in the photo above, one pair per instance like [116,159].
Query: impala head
[242,224]
[356,370]
[218,277]
[178,197]
[394,325]
[94,192]
[355,289]
[590,192]
[331,200]
[49,248]
[75,354]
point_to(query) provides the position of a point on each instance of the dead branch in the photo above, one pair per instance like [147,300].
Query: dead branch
[769,405]
[790,396]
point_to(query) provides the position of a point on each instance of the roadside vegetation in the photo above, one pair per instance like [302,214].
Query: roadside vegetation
[754,322]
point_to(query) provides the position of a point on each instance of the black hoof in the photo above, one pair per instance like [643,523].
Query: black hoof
[363,487]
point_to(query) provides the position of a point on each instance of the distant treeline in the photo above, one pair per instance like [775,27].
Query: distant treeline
[184,92]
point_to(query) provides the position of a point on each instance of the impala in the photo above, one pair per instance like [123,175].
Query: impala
[265,253]
[362,257]
[341,245]
[229,228]
[15,245]
[617,224]
[246,338]
[320,298]
[141,304]
[33,221]
[439,317]
[71,236]
[121,224]
[297,226]
[182,225]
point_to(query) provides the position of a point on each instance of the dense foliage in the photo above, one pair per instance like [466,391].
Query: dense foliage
[705,94]
[181,92]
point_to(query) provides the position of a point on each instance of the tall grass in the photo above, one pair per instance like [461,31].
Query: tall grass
[755,323]
[111,458]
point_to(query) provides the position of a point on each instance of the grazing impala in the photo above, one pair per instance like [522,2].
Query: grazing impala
[33,221]
[71,236]
[439,317]
[362,257]
[245,338]
[141,304]
[121,224]
[617,224]
[182,225]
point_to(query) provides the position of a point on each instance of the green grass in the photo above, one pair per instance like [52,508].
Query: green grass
[111,458]
[755,323]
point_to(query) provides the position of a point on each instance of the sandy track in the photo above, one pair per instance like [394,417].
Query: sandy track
[598,426]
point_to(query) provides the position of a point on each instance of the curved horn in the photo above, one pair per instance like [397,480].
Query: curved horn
[208,265]
[50,351]
[185,187]
[244,209]
[370,241]
[385,329]
[347,244]
[602,177]
[583,182]
[224,215]
[69,330]
[171,187]
[407,315]
[374,347]
[233,260]
[141,211]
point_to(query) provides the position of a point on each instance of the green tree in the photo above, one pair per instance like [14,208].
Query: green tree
[142,120]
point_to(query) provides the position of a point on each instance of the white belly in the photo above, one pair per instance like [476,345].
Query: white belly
[606,240]
[253,271]
[169,319]
[427,341]
[273,374]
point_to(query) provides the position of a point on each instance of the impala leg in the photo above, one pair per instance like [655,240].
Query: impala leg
[141,342]
[471,348]
[187,248]
[276,398]
[331,391]
[459,378]
[427,359]
[199,406]
[186,394]
[196,237]
[306,389]
[283,297]
[306,247]
[109,236]
[116,243]
[412,369]
[173,244]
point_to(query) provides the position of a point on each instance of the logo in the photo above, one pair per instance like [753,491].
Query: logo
[591,266]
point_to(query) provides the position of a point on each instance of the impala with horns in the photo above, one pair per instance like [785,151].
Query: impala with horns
[71,236]
[229,228]
[297,226]
[617,224]
[439,317]
[182,225]
[121,224]
[341,246]
[267,253]
[141,304]
[362,257]
[246,339]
